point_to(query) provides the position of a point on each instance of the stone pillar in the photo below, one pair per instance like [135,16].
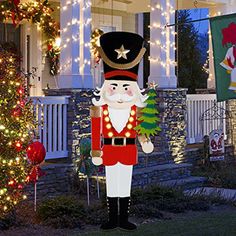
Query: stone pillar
[172,138]
[75,44]
[162,44]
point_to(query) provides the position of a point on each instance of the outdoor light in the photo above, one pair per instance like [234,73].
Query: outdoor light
[57,42]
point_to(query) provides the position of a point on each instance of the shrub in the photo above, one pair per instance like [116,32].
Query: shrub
[61,212]
[8,221]
[96,214]
[168,199]
[141,210]
[219,174]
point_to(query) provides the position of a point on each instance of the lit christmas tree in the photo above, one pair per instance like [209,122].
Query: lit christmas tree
[148,125]
[16,123]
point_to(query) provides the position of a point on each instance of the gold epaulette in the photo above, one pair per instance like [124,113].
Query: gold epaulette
[139,112]
[95,111]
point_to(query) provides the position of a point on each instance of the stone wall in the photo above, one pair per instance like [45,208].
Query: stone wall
[231,122]
[58,180]
[172,107]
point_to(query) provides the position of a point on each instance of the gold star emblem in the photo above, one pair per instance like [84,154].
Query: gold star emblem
[122,52]
[152,85]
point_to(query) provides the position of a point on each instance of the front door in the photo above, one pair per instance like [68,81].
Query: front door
[10,37]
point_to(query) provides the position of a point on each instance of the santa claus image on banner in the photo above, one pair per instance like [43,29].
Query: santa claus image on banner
[113,119]
[229,37]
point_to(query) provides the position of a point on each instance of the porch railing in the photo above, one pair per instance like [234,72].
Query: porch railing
[197,104]
[50,113]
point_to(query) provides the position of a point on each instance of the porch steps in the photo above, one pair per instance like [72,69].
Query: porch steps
[172,175]
[190,182]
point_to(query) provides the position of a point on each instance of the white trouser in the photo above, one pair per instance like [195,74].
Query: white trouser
[118,180]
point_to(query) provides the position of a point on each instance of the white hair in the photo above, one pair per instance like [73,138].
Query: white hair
[100,102]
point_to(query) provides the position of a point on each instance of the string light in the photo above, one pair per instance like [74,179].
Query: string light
[165,32]
[14,133]
[75,37]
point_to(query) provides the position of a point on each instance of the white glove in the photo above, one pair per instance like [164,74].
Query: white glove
[97,161]
[96,157]
[147,147]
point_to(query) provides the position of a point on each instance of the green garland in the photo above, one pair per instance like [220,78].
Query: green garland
[38,13]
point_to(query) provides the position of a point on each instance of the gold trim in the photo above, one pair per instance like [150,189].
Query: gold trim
[233,84]
[142,139]
[95,111]
[121,66]
[139,112]
[96,153]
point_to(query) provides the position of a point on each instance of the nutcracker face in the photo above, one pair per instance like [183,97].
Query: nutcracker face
[120,94]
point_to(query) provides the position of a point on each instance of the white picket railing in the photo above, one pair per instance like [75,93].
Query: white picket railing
[197,104]
[50,113]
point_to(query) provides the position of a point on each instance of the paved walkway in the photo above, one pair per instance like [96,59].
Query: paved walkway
[227,194]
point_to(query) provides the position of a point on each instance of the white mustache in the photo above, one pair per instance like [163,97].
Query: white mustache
[120,97]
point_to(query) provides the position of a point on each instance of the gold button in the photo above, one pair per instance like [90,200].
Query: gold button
[105,112]
[127,134]
[108,126]
[110,134]
[131,119]
[107,119]
[129,126]
[132,113]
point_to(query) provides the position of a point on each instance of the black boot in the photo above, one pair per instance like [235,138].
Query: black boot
[112,205]
[124,214]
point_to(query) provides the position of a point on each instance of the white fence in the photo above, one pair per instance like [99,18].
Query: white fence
[197,104]
[51,116]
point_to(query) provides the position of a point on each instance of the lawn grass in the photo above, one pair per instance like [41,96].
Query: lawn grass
[206,224]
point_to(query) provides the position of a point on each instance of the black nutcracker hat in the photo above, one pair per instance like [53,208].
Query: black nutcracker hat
[121,53]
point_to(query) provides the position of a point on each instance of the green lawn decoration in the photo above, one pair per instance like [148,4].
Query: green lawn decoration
[149,119]
[85,165]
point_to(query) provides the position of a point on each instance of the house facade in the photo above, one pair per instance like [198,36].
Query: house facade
[79,18]
[65,121]
[79,74]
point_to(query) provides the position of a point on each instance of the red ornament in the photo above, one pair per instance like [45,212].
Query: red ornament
[22,103]
[17,111]
[49,47]
[36,153]
[20,186]
[21,90]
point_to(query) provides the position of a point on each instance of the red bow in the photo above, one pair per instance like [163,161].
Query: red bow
[35,173]
[15,9]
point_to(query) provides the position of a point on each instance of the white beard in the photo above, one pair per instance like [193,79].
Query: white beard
[119,118]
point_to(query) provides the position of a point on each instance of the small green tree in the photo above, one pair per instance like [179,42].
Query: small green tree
[148,125]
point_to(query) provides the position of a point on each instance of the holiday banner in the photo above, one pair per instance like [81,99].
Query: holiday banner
[223,30]
[217,146]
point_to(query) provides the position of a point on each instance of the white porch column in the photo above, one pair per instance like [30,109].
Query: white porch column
[75,23]
[225,9]
[162,44]
[140,32]
[31,46]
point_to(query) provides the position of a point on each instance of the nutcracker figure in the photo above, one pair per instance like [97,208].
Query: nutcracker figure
[113,119]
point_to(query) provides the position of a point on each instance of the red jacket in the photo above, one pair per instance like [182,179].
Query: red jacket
[101,127]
